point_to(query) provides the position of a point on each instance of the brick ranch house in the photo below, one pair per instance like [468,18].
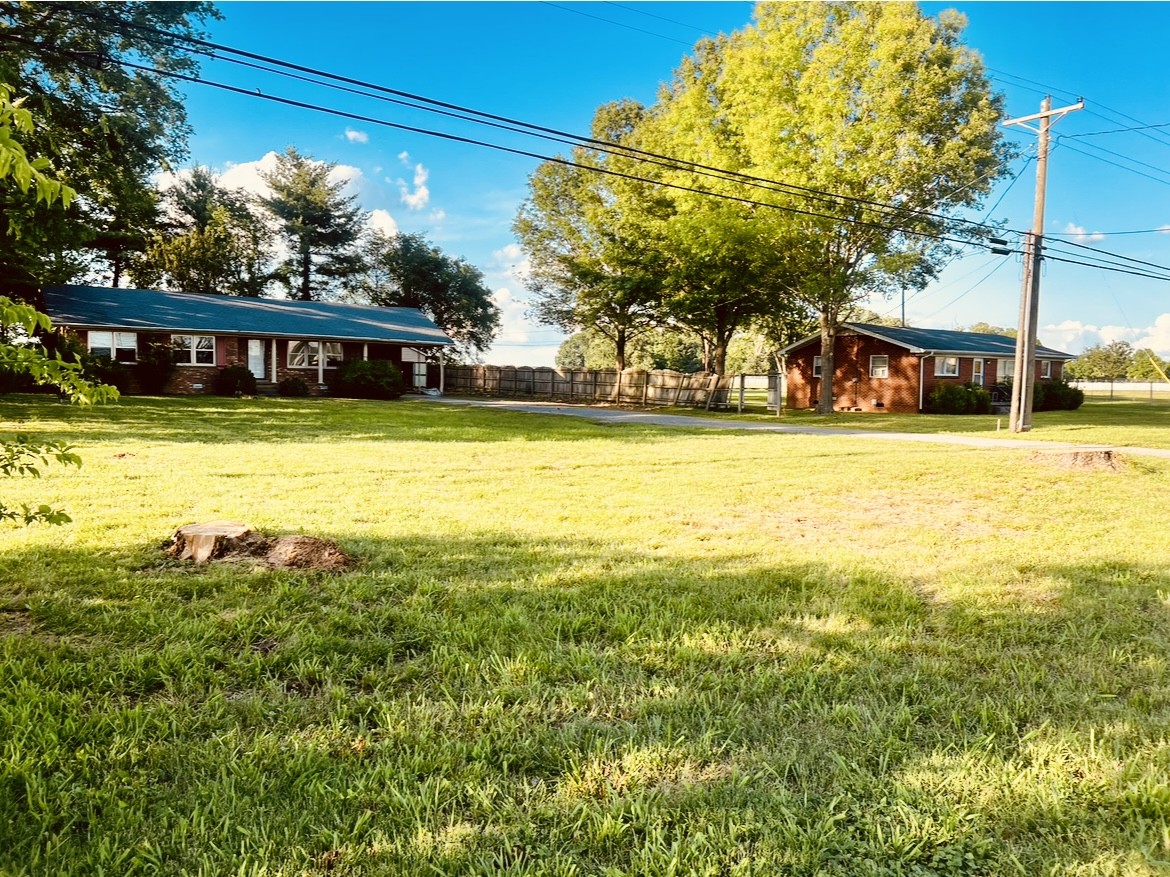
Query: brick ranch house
[880,368]
[275,339]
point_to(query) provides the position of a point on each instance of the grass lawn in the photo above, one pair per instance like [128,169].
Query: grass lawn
[1121,423]
[576,649]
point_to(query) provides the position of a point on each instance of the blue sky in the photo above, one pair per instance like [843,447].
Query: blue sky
[553,64]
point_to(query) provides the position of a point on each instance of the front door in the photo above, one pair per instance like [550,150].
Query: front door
[256,358]
[977,371]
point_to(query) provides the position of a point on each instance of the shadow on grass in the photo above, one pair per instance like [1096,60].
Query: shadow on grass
[493,704]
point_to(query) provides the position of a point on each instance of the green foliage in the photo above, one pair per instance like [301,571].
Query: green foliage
[408,271]
[985,328]
[21,455]
[873,100]
[368,379]
[234,380]
[155,366]
[103,127]
[293,387]
[320,225]
[218,245]
[1102,362]
[595,261]
[953,398]
[1056,396]
[1147,366]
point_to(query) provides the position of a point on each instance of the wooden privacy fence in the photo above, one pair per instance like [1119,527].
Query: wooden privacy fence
[633,386]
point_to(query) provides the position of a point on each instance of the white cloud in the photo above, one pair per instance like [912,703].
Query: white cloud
[1081,236]
[421,196]
[356,136]
[438,215]
[515,343]
[511,261]
[246,175]
[1073,336]
[381,220]
[404,157]
[1156,337]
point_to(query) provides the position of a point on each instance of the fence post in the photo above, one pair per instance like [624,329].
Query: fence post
[741,380]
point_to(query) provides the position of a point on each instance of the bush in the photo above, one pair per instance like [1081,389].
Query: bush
[1056,396]
[234,380]
[369,379]
[155,367]
[966,398]
[293,386]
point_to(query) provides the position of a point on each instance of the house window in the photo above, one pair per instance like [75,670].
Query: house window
[1046,368]
[304,354]
[879,366]
[817,366]
[193,349]
[118,346]
[1007,369]
[420,374]
[946,366]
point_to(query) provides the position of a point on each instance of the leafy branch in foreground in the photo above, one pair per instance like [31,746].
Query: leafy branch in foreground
[24,456]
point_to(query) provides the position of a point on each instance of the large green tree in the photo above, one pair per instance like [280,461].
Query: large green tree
[406,270]
[1147,366]
[321,226]
[215,243]
[20,354]
[104,128]
[874,103]
[1103,362]
[585,232]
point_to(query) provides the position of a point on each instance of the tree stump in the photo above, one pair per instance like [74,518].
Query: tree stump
[202,542]
[1087,457]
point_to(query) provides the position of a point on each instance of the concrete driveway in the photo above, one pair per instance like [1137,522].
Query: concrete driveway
[649,418]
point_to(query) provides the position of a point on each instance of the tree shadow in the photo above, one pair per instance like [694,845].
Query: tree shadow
[505,704]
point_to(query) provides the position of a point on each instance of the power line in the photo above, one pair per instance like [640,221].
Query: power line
[618,24]
[602,145]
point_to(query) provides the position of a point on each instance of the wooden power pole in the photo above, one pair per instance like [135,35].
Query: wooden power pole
[1024,380]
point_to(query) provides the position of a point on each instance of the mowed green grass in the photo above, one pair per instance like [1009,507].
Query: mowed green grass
[573,649]
[1119,423]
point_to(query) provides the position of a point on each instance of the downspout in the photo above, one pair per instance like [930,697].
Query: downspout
[922,383]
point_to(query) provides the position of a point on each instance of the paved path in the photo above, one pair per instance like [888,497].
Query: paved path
[649,418]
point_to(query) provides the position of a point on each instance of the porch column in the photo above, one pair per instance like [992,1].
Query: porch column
[320,361]
[275,378]
[365,350]
[442,373]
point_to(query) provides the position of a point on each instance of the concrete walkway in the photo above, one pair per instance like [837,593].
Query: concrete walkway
[649,418]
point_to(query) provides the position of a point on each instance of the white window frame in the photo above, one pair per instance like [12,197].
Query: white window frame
[978,370]
[940,367]
[304,354]
[1006,371]
[1046,369]
[420,374]
[117,343]
[879,365]
[818,366]
[195,345]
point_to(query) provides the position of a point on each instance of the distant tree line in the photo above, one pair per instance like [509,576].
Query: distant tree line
[107,131]
[1118,361]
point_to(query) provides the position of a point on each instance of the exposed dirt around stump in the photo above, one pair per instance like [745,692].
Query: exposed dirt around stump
[278,552]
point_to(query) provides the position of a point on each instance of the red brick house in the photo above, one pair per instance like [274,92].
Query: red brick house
[883,368]
[275,339]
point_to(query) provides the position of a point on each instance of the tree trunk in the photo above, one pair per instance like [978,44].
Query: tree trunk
[828,340]
[306,293]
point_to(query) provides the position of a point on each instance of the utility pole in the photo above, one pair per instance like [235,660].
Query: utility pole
[1024,380]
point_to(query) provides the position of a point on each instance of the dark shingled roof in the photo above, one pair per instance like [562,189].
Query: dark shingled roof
[941,341]
[143,310]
